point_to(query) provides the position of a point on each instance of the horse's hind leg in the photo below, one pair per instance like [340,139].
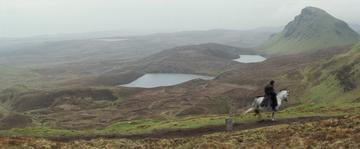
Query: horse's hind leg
[258,115]
[273,116]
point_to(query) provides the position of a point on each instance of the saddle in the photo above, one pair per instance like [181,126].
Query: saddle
[267,102]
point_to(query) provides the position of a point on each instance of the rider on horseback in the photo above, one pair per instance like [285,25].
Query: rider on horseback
[270,96]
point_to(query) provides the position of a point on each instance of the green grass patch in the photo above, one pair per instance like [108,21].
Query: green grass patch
[153,125]
[40,132]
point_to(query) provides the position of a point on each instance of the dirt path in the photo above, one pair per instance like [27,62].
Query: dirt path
[170,133]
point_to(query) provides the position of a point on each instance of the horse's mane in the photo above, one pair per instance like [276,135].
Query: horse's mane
[284,89]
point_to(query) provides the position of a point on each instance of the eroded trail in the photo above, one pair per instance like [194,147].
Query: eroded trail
[180,133]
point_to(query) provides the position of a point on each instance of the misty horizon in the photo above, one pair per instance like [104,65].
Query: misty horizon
[179,74]
[22,19]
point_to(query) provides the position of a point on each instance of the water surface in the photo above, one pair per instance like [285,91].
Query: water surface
[151,80]
[112,39]
[250,59]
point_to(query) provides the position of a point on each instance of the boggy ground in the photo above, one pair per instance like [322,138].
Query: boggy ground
[336,132]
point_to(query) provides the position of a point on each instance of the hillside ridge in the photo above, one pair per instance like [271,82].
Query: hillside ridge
[312,29]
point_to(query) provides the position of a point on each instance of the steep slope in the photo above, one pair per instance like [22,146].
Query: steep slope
[313,29]
[355,27]
[335,80]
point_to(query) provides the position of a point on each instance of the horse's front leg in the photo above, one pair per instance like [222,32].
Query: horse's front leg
[259,116]
[273,116]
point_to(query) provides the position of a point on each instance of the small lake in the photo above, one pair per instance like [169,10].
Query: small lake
[151,80]
[112,39]
[250,59]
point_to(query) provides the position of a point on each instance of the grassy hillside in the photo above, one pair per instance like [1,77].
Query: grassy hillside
[335,80]
[313,29]
[337,132]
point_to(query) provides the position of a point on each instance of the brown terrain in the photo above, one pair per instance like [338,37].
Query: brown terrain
[192,132]
[229,92]
[207,59]
[64,63]
[335,132]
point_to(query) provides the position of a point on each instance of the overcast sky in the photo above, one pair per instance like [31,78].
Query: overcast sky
[36,17]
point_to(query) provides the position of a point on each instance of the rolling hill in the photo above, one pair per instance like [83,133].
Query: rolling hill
[313,29]
[208,59]
[51,62]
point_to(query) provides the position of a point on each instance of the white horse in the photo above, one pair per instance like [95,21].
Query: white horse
[256,105]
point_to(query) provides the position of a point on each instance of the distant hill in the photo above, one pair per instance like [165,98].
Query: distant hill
[64,59]
[311,30]
[237,38]
[208,59]
[336,79]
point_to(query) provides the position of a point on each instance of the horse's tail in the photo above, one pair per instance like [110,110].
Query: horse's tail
[253,105]
[249,110]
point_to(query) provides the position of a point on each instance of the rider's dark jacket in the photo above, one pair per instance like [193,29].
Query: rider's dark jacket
[269,90]
[270,95]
